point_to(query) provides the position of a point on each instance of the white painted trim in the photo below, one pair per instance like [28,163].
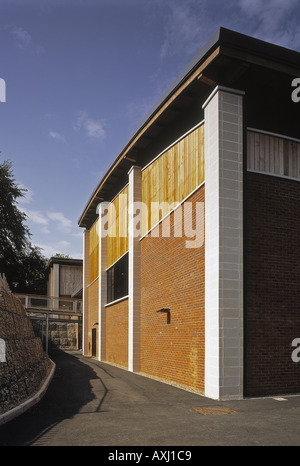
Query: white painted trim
[117,301]
[116,261]
[127,184]
[277,175]
[159,155]
[83,290]
[282,136]
[102,288]
[224,89]
[93,281]
[173,210]
[173,144]
[135,195]
[56,280]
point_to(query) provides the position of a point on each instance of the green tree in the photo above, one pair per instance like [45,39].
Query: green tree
[31,274]
[21,262]
[14,234]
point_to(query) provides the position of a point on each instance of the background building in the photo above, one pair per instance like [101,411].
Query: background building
[64,277]
[199,287]
[64,281]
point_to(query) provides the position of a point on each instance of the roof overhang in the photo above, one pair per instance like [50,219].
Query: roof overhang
[64,261]
[223,60]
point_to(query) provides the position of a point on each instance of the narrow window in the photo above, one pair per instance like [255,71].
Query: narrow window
[117,279]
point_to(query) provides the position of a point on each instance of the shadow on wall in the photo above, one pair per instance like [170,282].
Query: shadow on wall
[60,402]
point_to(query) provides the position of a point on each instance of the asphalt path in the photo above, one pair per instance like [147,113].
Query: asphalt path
[90,403]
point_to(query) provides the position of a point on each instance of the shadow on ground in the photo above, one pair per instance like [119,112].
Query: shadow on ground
[60,402]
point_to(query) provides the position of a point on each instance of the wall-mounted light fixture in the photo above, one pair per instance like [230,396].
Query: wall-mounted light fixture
[168,312]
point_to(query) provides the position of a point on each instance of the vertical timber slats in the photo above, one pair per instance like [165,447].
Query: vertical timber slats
[94,252]
[273,155]
[117,239]
[170,178]
[166,182]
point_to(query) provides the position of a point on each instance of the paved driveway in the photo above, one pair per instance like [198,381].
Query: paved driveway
[90,403]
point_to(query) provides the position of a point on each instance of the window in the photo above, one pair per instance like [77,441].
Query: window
[117,279]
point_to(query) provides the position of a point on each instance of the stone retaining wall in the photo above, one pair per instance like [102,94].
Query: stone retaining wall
[26,365]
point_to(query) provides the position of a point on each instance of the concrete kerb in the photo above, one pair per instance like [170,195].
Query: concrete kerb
[18,410]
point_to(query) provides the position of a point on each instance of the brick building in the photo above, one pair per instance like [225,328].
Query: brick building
[191,239]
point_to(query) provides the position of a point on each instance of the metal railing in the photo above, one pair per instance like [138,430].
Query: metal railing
[51,304]
[52,308]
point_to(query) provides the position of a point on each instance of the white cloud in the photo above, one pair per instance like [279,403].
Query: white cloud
[28,195]
[60,231]
[23,39]
[56,136]
[49,250]
[49,221]
[58,247]
[93,128]
[62,222]
[273,21]
[185,28]
[36,217]
[189,24]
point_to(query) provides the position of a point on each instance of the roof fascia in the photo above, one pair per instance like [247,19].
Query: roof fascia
[190,74]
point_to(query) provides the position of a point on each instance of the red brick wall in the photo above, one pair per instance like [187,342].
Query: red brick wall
[272,317]
[172,276]
[117,333]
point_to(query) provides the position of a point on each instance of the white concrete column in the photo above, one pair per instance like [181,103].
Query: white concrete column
[55,286]
[223,139]
[134,232]
[85,281]
[102,234]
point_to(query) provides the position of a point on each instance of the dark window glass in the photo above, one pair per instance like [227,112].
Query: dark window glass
[117,280]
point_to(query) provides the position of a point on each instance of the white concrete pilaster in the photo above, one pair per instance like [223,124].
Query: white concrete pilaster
[224,244]
[85,275]
[102,234]
[134,232]
[55,285]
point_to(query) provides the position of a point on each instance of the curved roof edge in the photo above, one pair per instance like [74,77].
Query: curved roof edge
[224,37]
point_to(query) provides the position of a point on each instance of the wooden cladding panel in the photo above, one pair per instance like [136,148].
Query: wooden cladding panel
[94,252]
[172,177]
[117,239]
[69,277]
[273,154]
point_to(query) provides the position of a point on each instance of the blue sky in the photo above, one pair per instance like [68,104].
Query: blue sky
[82,74]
